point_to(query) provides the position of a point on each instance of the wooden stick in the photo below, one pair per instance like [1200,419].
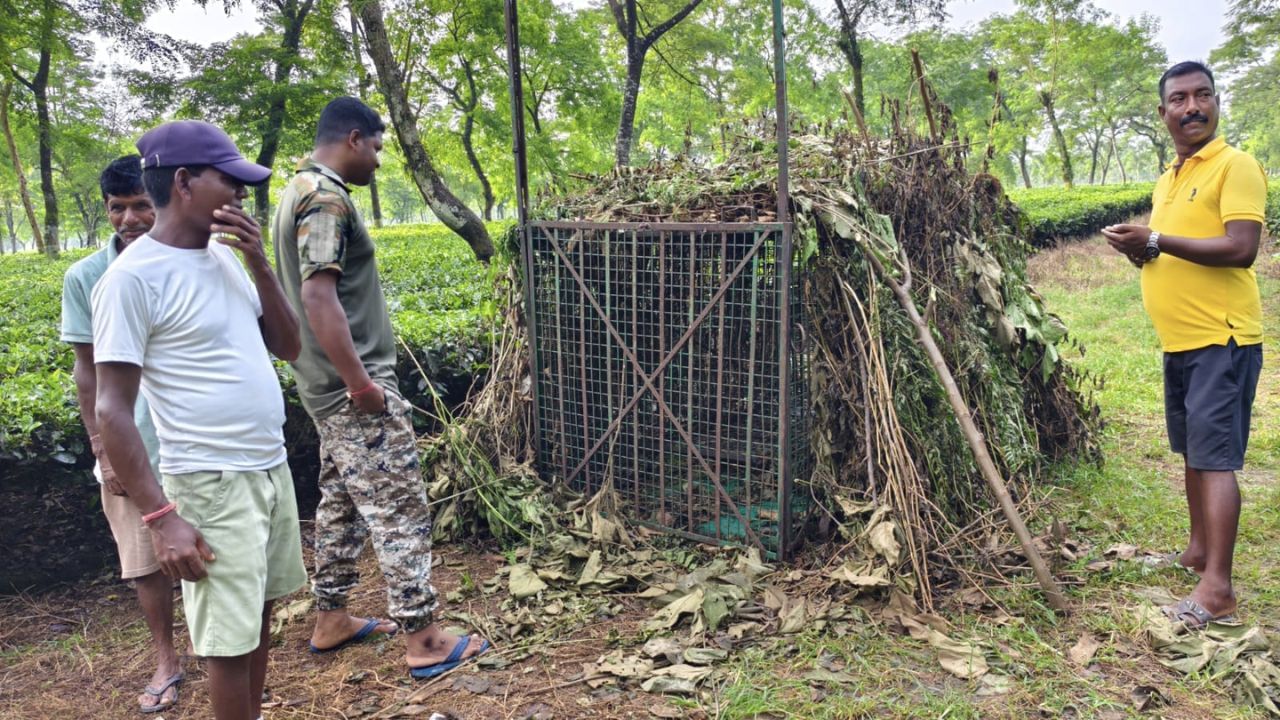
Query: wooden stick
[971,433]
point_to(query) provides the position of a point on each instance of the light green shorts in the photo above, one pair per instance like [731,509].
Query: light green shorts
[250,520]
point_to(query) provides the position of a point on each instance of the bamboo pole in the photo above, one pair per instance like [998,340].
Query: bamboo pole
[971,433]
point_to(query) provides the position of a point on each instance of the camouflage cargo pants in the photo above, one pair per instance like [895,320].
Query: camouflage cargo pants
[370,484]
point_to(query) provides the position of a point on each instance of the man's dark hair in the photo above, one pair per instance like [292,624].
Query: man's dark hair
[122,178]
[159,182]
[1188,67]
[344,114]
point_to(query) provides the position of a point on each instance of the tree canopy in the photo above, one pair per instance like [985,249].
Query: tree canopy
[1054,92]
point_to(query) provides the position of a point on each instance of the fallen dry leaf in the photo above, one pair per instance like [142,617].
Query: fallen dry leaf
[1083,651]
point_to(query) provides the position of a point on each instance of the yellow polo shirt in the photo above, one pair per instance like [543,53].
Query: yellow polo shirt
[1194,306]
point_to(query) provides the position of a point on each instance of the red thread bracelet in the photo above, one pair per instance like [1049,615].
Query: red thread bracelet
[151,517]
[353,395]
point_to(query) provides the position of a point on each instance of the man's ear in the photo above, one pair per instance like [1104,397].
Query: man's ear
[182,183]
[353,137]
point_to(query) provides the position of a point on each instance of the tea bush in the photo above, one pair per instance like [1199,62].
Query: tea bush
[1059,213]
[441,307]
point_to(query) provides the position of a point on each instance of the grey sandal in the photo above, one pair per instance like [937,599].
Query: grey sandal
[1193,616]
[158,693]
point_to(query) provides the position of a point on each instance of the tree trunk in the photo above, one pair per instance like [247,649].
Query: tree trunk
[626,18]
[23,191]
[293,17]
[627,122]
[1094,147]
[8,223]
[852,51]
[39,86]
[468,126]
[1124,176]
[1068,177]
[1106,166]
[1022,163]
[452,212]
[362,82]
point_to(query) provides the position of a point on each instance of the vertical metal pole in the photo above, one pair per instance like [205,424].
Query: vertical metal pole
[515,76]
[780,92]
[784,290]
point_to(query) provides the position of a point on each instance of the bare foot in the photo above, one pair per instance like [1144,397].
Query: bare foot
[432,645]
[336,627]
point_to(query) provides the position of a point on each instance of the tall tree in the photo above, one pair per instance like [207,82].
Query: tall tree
[627,16]
[1248,67]
[53,31]
[452,212]
[23,192]
[362,84]
[466,49]
[257,80]
[46,43]
[854,14]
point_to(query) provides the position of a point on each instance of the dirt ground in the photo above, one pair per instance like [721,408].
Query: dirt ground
[81,653]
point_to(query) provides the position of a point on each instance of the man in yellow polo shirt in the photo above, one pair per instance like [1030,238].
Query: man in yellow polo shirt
[1200,290]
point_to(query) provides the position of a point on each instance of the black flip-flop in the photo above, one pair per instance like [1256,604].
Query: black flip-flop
[158,693]
[370,628]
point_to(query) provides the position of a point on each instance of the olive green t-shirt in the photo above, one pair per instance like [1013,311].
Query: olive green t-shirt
[317,228]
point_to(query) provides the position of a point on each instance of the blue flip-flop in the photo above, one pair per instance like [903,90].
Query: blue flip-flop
[369,628]
[423,672]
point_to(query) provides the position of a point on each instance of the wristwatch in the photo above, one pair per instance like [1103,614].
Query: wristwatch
[1153,247]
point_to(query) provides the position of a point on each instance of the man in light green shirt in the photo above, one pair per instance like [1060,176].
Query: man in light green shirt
[131,215]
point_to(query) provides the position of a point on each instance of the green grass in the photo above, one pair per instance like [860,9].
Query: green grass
[1133,497]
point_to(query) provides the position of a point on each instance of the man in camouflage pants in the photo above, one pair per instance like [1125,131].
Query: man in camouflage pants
[369,478]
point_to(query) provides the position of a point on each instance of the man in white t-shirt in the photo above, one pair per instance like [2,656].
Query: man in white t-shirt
[178,318]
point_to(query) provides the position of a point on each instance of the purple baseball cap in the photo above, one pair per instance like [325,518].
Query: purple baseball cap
[191,142]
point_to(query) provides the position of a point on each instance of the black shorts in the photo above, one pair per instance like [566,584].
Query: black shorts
[1208,400]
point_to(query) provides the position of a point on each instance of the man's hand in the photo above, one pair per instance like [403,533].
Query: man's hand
[180,548]
[1128,239]
[237,229]
[372,401]
[109,479]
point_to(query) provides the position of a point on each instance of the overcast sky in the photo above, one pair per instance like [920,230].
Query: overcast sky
[1187,34]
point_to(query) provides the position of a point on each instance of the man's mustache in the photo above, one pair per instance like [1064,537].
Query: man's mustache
[1193,118]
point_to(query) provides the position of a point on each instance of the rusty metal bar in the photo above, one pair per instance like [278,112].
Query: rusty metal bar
[561,383]
[662,377]
[751,380]
[689,394]
[582,356]
[724,260]
[784,278]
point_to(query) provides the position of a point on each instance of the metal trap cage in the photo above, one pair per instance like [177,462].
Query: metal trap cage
[670,359]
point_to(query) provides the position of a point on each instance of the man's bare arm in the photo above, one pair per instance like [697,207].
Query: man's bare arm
[117,393]
[279,325]
[328,322]
[1238,248]
[180,548]
[86,380]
